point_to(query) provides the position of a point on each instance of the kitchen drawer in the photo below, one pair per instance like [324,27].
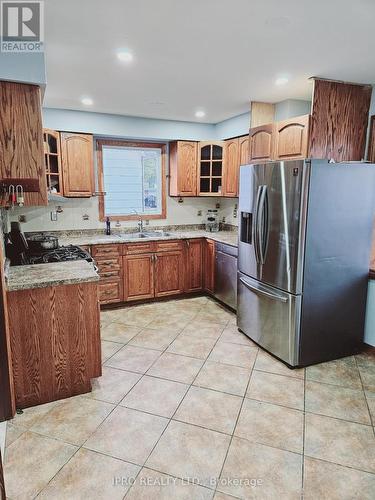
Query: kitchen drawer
[109,264]
[110,292]
[135,248]
[98,251]
[168,245]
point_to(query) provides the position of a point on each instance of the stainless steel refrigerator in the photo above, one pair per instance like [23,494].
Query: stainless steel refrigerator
[305,238]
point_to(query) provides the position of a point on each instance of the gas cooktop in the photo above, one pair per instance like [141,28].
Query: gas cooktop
[61,254]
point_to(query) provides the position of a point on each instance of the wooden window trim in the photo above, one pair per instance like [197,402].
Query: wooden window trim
[122,143]
[371,143]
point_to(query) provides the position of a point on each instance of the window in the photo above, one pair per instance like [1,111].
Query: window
[132,176]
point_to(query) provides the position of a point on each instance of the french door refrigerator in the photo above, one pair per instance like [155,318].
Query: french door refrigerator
[305,238]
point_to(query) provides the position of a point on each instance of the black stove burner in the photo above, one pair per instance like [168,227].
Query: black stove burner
[60,254]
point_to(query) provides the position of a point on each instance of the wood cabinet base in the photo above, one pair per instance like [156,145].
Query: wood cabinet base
[55,342]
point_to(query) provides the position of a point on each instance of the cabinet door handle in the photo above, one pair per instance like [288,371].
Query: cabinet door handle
[188,243]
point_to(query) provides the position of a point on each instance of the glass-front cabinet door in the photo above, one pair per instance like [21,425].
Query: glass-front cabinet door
[211,168]
[52,160]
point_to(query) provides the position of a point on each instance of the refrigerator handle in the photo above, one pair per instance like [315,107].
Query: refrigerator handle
[256,225]
[262,291]
[263,224]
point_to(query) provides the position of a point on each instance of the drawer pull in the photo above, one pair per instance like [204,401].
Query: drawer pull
[108,274]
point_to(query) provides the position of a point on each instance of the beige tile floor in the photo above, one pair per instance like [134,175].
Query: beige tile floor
[189,408]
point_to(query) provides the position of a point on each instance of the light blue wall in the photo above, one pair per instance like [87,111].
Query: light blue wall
[26,68]
[238,125]
[370,315]
[290,108]
[126,126]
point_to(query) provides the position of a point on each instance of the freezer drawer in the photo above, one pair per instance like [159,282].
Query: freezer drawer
[270,317]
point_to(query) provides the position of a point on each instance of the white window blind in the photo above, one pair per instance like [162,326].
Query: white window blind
[132,180]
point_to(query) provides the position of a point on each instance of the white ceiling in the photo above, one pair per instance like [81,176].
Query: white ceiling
[217,55]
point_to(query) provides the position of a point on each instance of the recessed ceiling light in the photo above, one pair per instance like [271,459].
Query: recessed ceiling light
[282,80]
[87,101]
[124,56]
[200,114]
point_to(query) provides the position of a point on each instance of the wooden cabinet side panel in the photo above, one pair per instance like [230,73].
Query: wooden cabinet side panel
[169,273]
[173,169]
[54,354]
[261,143]
[209,266]
[21,137]
[138,273]
[231,168]
[339,121]
[194,265]
[77,164]
[291,138]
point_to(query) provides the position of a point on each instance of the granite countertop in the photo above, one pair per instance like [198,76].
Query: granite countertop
[228,237]
[53,274]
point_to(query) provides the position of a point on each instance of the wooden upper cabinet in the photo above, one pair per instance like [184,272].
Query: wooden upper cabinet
[77,155]
[291,138]
[183,168]
[194,265]
[52,160]
[339,120]
[261,143]
[21,140]
[169,273]
[243,150]
[211,165]
[231,171]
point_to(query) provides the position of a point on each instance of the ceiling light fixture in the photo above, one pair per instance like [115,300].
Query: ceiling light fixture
[87,101]
[200,114]
[282,80]
[124,56]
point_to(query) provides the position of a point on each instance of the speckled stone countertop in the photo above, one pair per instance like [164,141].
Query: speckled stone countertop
[53,274]
[228,237]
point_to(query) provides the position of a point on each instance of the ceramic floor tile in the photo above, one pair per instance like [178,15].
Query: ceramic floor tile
[277,389]
[187,451]
[343,372]
[31,462]
[271,425]
[127,434]
[211,409]
[174,367]
[112,385]
[30,416]
[74,420]
[234,354]
[224,378]
[118,332]
[91,475]
[233,335]
[368,379]
[156,396]
[203,329]
[212,317]
[154,339]
[267,363]
[366,360]
[110,315]
[337,401]
[340,442]
[325,481]
[133,316]
[187,345]
[13,432]
[109,349]
[266,473]
[134,359]
[177,323]
[223,496]
[163,487]
[370,397]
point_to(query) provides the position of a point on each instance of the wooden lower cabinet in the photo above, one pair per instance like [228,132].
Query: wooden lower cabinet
[169,273]
[194,265]
[209,266]
[55,342]
[138,272]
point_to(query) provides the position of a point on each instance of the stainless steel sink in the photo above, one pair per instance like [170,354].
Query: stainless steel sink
[146,234]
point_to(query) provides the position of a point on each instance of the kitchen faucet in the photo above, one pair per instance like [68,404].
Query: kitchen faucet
[140,221]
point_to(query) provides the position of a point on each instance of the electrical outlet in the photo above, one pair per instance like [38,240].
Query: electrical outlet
[22,218]
[54,216]
[199,213]
[217,205]
[85,217]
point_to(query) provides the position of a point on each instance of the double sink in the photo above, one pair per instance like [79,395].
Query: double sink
[146,234]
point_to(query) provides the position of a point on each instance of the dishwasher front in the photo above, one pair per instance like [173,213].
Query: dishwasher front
[226,274]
